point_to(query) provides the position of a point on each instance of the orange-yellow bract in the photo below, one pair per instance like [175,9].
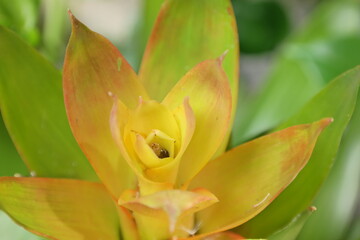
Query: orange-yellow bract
[154,140]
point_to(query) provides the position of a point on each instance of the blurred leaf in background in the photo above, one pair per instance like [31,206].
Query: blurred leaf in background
[149,12]
[338,198]
[262,25]
[326,46]
[336,100]
[22,17]
[55,29]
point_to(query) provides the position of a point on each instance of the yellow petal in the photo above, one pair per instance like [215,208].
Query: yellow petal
[209,94]
[151,115]
[118,120]
[151,122]
[171,208]
[186,121]
[147,155]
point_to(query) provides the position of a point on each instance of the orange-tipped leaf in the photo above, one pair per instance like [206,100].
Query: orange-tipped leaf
[93,70]
[249,177]
[60,208]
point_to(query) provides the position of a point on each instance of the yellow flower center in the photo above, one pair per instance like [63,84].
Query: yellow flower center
[153,137]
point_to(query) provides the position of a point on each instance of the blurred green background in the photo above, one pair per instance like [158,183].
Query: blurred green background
[289,51]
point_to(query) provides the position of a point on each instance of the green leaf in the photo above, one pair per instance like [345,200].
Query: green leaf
[31,102]
[338,198]
[268,164]
[262,24]
[22,17]
[150,10]
[326,46]
[291,231]
[354,230]
[54,29]
[65,209]
[10,160]
[186,33]
[337,100]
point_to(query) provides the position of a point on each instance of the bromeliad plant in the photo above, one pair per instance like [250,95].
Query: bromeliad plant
[155,140]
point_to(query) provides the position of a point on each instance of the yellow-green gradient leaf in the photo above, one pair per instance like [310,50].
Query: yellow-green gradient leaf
[337,100]
[209,95]
[60,208]
[32,107]
[93,70]
[186,33]
[223,236]
[249,177]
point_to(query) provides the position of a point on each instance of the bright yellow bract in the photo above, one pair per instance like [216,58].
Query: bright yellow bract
[150,135]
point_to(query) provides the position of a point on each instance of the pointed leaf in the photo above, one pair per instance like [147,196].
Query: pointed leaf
[186,33]
[338,197]
[32,107]
[306,63]
[93,69]
[268,164]
[59,208]
[292,230]
[209,95]
[337,100]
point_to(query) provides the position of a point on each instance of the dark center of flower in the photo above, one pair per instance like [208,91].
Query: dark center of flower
[159,150]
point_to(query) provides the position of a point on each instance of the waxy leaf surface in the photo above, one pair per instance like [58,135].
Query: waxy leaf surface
[338,197]
[32,107]
[337,100]
[59,208]
[292,230]
[93,70]
[268,164]
[186,33]
[209,95]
